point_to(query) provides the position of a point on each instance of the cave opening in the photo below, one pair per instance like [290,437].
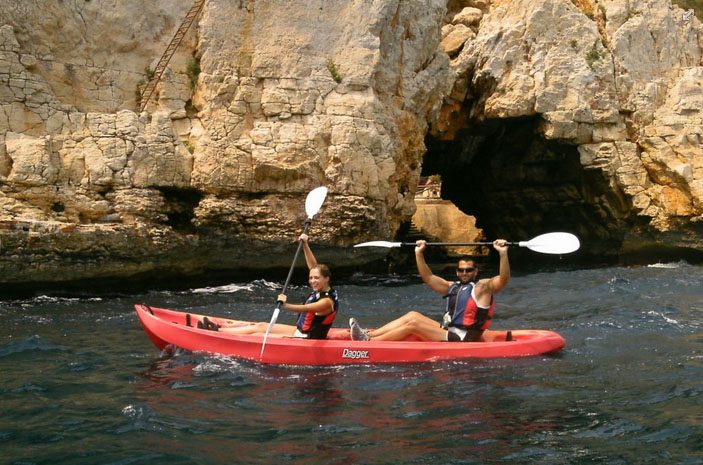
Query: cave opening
[519,185]
[179,206]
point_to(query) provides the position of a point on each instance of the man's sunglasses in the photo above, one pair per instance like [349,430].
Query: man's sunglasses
[465,270]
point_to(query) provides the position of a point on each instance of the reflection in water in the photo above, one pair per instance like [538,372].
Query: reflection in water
[337,410]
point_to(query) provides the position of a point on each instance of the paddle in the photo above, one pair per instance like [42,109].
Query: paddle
[554,243]
[313,202]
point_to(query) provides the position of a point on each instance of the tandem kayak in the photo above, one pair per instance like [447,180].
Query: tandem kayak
[178,329]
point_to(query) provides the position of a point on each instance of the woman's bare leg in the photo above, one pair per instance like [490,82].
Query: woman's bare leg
[259,329]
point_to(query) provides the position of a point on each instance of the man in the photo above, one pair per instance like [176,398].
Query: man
[470,303]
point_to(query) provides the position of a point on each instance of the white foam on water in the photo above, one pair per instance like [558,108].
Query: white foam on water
[663,265]
[664,317]
[226,289]
[233,288]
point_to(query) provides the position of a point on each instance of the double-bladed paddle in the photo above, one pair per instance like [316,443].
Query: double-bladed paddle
[313,202]
[553,243]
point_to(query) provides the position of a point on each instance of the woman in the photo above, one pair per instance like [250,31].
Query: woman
[315,315]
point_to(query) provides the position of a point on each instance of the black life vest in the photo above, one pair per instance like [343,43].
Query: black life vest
[317,326]
[463,310]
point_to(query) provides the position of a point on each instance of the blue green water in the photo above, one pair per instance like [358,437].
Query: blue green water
[80,383]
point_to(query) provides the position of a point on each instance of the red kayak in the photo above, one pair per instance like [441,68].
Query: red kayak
[172,328]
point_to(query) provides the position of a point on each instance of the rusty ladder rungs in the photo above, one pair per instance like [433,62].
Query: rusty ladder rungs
[170,50]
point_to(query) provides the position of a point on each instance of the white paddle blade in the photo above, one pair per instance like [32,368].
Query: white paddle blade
[274,317]
[314,201]
[379,244]
[554,243]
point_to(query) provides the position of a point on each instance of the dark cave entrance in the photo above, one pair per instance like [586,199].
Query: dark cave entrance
[518,185]
[179,206]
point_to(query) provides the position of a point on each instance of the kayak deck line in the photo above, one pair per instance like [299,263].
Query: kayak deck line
[166,328]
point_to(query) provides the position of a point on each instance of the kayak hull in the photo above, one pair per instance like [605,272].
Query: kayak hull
[174,328]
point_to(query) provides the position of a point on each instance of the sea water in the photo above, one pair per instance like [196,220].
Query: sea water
[80,382]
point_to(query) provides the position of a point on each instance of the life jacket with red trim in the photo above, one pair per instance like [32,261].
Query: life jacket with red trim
[317,326]
[464,311]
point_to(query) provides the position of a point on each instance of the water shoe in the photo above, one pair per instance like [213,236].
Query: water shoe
[356,332]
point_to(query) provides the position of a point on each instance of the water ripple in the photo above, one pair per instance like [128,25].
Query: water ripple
[31,344]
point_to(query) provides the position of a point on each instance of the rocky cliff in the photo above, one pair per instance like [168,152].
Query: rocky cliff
[583,116]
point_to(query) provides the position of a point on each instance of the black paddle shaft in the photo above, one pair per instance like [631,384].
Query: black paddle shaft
[458,243]
[295,259]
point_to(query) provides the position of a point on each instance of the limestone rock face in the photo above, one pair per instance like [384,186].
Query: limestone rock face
[440,220]
[213,175]
[526,107]
[619,82]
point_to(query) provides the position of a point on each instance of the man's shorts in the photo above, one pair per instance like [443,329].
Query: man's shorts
[297,333]
[455,334]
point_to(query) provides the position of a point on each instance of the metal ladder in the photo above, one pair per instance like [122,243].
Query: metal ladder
[168,53]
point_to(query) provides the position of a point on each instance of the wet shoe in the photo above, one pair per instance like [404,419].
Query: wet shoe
[356,332]
[210,325]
